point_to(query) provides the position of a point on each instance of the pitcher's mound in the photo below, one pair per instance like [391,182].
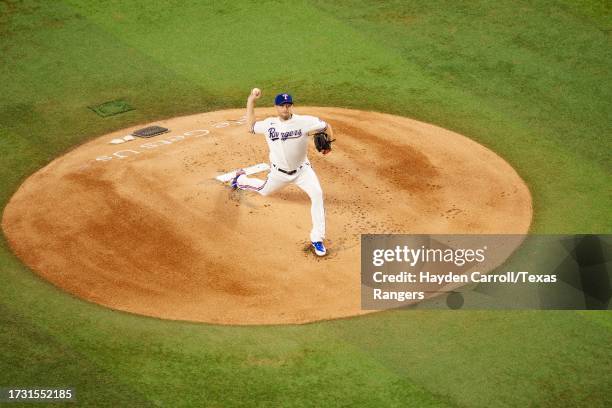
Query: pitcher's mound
[144,227]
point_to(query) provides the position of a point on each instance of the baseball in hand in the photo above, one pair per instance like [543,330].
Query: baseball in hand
[256,92]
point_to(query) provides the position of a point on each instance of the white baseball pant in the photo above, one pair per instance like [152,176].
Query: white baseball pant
[306,179]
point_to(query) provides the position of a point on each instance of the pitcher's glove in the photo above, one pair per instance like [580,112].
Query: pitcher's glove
[322,142]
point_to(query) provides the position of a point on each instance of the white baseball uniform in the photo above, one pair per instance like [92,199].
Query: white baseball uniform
[288,142]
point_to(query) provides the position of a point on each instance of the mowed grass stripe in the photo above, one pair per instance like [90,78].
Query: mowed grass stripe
[32,357]
[492,358]
[207,48]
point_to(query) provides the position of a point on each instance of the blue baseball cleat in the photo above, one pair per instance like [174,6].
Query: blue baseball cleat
[234,182]
[319,248]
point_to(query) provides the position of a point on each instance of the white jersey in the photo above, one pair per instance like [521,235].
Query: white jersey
[288,140]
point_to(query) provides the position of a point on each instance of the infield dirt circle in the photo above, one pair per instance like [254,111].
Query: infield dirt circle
[144,227]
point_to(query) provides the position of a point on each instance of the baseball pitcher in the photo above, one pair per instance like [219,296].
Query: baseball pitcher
[287,136]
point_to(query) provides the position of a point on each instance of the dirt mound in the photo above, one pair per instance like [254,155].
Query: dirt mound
[144,227]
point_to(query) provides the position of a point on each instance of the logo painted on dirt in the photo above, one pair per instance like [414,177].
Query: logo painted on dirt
[191,134]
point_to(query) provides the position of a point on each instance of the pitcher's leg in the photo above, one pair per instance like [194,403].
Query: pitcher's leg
[263,187]
[309,182]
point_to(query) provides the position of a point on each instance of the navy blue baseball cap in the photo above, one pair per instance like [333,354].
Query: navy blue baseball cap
[282,99]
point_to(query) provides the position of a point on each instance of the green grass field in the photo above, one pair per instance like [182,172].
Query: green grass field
[529,79]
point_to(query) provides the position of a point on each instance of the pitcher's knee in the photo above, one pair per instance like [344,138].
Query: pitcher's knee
[315,194]
[320,193]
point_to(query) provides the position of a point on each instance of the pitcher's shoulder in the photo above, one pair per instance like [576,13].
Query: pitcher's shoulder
[306,118]
[268,120]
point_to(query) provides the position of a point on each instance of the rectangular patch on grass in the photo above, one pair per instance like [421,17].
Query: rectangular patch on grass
[111,108]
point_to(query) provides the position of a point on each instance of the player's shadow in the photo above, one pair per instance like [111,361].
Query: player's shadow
[227,206]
